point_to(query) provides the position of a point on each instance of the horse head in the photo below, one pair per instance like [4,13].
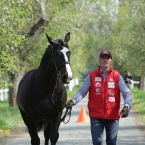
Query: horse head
[61,57]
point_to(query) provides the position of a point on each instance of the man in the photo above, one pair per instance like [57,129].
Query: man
[127,79]
[104,86]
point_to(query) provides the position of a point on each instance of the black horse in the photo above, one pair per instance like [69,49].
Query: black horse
[41,93]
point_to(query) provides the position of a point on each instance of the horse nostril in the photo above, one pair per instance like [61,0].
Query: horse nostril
[65,76]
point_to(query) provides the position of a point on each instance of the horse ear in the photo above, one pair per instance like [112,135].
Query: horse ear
[67,37]
[51,41]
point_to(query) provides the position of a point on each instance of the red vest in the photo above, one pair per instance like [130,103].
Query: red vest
[104,95]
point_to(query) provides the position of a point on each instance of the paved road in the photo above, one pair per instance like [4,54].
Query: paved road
[79,133]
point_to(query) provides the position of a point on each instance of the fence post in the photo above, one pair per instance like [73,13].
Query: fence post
[4,94]
[132,83]
[1,95]
[73,83]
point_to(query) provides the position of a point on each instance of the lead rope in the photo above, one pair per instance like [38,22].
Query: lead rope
[67,112]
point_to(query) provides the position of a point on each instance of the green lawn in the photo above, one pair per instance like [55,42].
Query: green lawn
[138,102]
[10,118]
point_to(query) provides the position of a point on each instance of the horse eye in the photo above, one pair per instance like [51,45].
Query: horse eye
[68,53]
[58,52]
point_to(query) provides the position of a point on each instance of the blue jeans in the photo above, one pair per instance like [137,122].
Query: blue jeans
[97,128]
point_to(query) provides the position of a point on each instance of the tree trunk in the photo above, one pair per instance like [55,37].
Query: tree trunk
[142,83]
[15,79]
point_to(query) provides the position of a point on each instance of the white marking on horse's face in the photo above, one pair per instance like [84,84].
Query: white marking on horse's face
[64,51]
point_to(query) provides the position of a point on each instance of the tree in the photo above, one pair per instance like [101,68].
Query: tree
[13,21]
[99,30]
[22,26]
[130,37]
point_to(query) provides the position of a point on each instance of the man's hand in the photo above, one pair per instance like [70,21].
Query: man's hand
[124,112]
[69,104]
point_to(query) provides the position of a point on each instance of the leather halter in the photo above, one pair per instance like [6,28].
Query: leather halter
[58,74]
[58,67]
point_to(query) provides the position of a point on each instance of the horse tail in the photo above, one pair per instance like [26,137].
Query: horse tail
[40,125]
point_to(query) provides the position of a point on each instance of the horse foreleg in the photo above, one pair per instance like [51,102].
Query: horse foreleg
[32,131]
[47,132]
[54,135]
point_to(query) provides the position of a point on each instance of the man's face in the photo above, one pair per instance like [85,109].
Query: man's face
[105,61]
[128,73]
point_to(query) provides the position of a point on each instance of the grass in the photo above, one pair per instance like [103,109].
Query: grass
[138,102]
[10,118]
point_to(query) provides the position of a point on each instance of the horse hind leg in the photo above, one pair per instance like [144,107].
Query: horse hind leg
[54,134]
[35,140]
[31,128]
[23,114]
[47,130]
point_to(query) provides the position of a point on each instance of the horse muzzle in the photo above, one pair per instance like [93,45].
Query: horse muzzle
[66,79]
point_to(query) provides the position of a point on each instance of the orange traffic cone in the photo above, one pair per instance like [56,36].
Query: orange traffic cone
[82,116]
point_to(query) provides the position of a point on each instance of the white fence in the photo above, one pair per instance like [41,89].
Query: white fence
[133,83]
[72,83]
[4,94]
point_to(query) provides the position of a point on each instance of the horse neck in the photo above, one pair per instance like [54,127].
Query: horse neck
[46,75]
